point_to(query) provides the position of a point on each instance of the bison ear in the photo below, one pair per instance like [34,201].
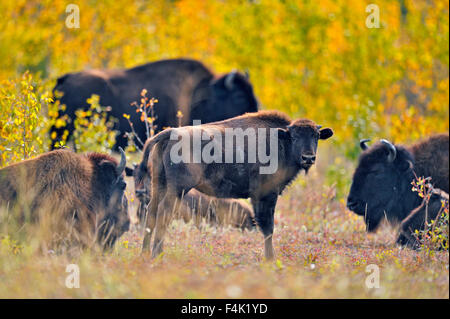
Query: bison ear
[108,170]
[129,171]
[325,133]
[407,165]
[283,133]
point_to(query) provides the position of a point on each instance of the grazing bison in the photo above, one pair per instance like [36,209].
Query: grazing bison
[381,185]
[81,194]
[234,171]
[195,205]
[179,84]
[217,211]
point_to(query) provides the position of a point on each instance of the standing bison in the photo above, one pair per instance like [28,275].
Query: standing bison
[80,195]
[229,169]
[178,84]
[382,187]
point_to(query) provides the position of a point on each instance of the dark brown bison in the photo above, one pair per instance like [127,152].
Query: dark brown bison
[217,211]
[178,84]
[381,187]
[80,194]
[195,205]
[230,169]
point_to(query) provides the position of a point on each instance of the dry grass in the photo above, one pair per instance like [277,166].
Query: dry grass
[322,252]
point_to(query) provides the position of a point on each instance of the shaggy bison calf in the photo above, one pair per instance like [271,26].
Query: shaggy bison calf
[81,194]
[382,187]
[230,168]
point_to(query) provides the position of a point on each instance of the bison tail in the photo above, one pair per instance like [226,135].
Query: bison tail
[164,135]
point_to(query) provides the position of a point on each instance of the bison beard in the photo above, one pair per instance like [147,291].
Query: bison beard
[382,181]
[179,85]
[297,144]
[68,195]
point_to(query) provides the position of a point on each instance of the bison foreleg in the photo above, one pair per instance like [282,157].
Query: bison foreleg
[264,214]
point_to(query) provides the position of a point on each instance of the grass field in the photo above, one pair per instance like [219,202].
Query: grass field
[322,251]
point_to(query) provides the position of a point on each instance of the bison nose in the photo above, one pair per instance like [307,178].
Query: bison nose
[351,203]
[309,159]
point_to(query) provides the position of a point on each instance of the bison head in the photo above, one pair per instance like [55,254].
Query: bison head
[304,135]
[229,96]
[381,183]
[110,186]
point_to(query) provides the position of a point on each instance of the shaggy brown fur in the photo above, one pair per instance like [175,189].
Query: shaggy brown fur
[61,188]
[195,205]
[431,158]
[216,211]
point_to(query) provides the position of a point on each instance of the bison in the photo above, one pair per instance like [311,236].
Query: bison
[235,172]
[381,186]
[178,84]
[195,205]
[80,194]
[217,211]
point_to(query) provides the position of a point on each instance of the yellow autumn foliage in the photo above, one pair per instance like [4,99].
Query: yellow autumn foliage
[314,59]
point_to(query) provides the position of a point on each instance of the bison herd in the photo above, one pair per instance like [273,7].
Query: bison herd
[203,171]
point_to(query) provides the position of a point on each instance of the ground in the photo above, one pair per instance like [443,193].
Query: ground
[322,251]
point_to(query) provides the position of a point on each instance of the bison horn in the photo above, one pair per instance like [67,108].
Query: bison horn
[392,150]
[229,80]
[363,144]
[319,127]
[123,162]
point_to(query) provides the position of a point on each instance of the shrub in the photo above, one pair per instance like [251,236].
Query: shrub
[93,130]
[435,233]
[21,123]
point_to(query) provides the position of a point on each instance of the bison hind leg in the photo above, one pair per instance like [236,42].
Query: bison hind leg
[167,209]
